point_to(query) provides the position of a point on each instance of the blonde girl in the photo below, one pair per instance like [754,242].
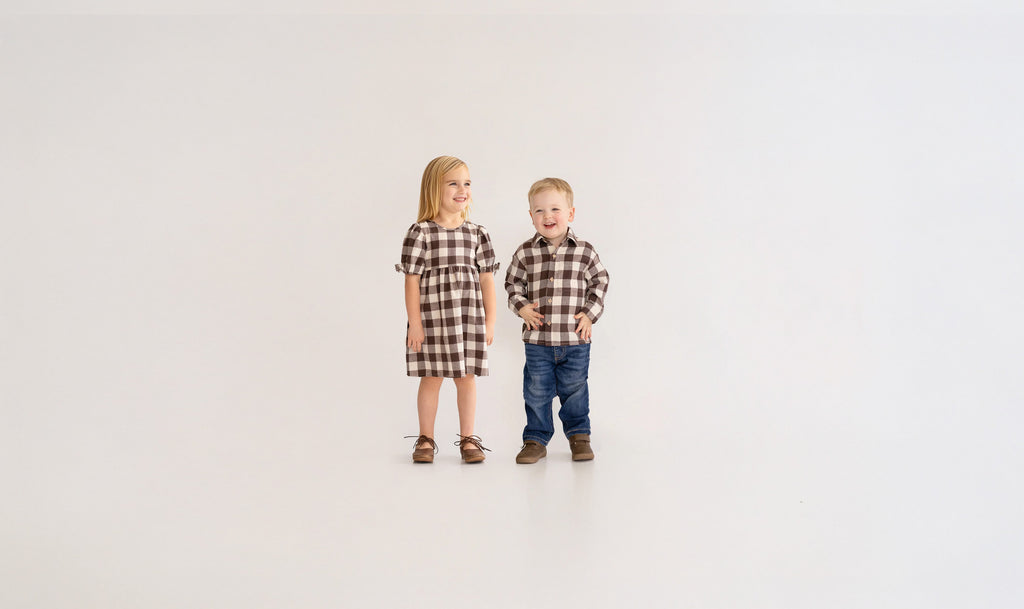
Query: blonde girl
[449,268]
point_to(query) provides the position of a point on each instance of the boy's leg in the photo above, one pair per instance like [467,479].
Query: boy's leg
[571,372]
[538,391]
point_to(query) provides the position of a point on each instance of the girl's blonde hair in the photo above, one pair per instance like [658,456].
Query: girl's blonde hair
[430,186]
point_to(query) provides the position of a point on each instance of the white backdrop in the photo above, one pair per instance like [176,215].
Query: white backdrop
[808,371]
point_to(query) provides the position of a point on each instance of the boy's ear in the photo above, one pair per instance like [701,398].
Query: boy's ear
[572,213]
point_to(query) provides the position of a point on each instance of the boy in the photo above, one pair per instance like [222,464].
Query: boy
[556,284]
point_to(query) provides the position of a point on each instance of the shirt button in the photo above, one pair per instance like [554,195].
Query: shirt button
[551,278]
[549,300]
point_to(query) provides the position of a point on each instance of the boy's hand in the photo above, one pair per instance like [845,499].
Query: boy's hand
[531,316]
[583,329]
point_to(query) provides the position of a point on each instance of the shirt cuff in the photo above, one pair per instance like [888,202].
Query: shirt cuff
[516,304]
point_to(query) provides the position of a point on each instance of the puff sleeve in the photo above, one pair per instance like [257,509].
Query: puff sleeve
[414,252]
[485,259]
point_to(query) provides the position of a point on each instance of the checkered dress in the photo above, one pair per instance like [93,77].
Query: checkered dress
[449,263]
[569,281]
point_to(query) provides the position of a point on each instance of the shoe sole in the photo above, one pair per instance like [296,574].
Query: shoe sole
[529,461]
[583,457]
[423,459]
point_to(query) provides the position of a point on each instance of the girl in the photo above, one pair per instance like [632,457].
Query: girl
[449,295]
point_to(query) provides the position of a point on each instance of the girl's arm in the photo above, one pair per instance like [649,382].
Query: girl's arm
[412,308]
[487,287]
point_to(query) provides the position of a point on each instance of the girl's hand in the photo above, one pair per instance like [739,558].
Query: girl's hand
[490,332]
[414,340]
[583,329]
[530,315]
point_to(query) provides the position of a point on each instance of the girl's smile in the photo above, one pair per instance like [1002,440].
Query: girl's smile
[456,192]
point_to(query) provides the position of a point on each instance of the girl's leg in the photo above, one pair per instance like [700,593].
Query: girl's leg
[466,388]
[426,405]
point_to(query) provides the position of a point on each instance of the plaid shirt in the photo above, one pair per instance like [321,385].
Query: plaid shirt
[570,281]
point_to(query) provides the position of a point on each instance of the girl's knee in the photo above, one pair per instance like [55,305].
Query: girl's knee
[466,380]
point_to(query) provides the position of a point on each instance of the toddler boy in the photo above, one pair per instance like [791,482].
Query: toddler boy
[556,284]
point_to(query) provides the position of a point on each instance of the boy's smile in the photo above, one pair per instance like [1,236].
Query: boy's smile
[551,215]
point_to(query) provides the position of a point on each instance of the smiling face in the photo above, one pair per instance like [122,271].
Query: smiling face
[551,214]
[456,192]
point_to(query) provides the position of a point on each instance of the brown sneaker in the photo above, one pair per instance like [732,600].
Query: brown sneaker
[579,444]
[425,454]
[532,452]
[471,448]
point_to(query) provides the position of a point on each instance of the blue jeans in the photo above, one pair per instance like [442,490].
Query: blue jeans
[552,371]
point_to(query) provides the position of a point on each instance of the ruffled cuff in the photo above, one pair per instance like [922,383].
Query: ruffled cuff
[409,269]
[491,268]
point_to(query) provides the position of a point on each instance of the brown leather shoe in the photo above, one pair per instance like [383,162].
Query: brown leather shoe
[471,448]
[423,455]
[531,452]
[579,444]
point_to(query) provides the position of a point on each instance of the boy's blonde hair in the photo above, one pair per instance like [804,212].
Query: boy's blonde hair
[430,186]
[551,184]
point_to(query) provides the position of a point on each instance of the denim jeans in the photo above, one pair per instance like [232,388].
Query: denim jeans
[550,372]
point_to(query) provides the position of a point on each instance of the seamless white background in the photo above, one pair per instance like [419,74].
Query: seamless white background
[805,389]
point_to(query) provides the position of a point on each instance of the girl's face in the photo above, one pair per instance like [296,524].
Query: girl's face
[455,191]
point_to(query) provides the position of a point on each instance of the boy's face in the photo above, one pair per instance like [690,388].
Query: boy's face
[551,214]
[456,191]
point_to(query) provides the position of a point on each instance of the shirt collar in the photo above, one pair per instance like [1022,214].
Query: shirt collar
[569,236]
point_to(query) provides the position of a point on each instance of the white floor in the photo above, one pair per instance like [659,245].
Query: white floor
[306,506]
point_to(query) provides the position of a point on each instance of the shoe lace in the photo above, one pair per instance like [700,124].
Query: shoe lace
[422,439]
[474,440]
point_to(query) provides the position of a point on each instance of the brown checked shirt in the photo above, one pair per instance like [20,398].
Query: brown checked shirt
[569,281]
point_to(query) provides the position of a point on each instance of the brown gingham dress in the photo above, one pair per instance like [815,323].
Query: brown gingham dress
[449,262]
